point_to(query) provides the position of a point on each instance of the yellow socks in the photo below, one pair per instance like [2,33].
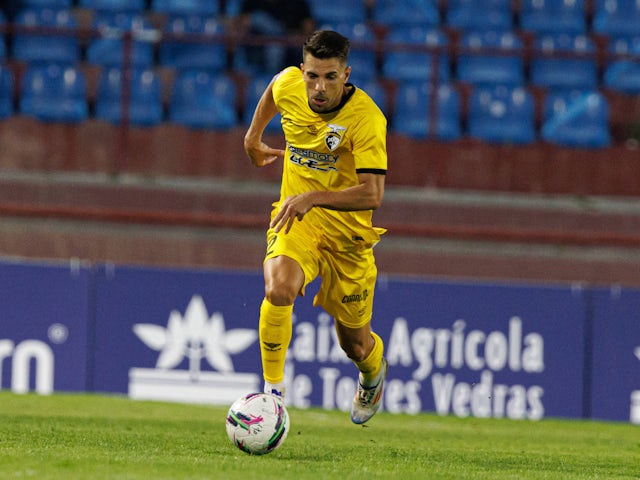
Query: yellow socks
[275,336]
[370,366]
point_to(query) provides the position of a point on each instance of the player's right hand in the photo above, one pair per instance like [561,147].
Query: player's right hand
[262,154]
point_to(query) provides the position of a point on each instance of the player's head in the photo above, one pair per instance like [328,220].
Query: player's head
[324,69]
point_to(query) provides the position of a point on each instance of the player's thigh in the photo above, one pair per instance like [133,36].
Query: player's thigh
[348,285]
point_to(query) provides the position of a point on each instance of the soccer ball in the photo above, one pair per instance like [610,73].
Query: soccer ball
[258,423]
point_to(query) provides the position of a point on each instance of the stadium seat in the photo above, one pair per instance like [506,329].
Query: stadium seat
[6,91]
[479,15]
[623,73]
[376,91]
[413,111]
[413,53]
[500,62]
[113,6]
[110,49]
[54,93]
[53,4]
[564,61]
[349,11]
[143,102]
[202,99]
[3,45]
[576,119]
[553,16]
[393,14]
[32,44]
[502,114]
[362,57]
[186,7]
[616,17]
[255,87]
[180,49]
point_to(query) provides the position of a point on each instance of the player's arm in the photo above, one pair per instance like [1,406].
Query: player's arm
[260,153]
[367,195]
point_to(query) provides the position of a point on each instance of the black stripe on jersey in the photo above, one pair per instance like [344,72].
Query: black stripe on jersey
[376,171]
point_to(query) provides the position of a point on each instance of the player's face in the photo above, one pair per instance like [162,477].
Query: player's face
[325,79]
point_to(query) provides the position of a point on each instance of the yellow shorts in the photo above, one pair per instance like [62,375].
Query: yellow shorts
[348,277]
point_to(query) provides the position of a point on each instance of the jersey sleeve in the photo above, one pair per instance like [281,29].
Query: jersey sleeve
[370,144]
[283,80]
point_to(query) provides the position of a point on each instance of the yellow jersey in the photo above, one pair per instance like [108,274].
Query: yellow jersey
[327,151]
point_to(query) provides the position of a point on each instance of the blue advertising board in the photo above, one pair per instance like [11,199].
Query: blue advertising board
[456,348]
[44,327]
[616,355]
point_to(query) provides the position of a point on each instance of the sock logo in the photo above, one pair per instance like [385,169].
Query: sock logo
[272,347]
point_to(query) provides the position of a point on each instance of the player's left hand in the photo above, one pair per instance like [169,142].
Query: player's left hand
[291,208]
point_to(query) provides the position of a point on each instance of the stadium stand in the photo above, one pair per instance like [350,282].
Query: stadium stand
[582,144]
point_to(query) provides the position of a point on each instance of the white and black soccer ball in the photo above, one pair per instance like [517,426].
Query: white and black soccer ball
[258,423]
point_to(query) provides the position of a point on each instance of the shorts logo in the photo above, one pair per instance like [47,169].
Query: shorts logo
[333,138]
[355,297]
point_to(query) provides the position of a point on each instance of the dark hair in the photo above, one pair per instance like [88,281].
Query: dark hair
[327,44]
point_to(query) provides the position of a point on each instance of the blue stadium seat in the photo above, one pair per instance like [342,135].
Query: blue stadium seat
[617,17]
[500,63]
[576,119]
[362,57]
[180,49]
[54,93]
[144,100]
[3,26]
[114,6]
[391,13]
[564,61]
[255,88]
[186,7]
[376,91]
[53,4]
[409,57]
[479,15]
[349,11]
[40,46]
[201,99]
[413,111]
[110,49]
[502,114]
[623,74]
[553,16]
[6,91]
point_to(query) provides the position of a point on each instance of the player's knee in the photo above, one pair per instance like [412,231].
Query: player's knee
[355,351]
[280,295]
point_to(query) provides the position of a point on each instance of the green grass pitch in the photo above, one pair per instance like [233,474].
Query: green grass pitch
[101,437]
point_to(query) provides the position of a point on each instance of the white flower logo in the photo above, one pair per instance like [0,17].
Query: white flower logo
[196,335]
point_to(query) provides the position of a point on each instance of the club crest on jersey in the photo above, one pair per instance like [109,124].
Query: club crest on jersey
[334,136]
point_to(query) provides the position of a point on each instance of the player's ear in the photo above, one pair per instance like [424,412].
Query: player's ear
[347,72]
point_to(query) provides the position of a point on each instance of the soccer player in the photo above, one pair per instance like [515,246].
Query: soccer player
[335,163]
